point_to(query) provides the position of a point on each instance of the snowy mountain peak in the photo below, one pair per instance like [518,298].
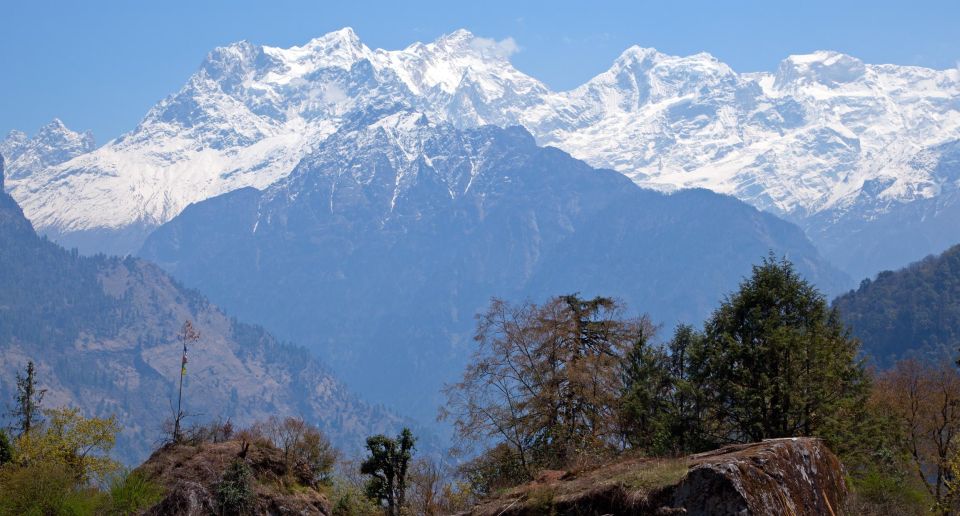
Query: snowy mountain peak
[341,48]
[804,139]
[645,58]
[464,42]
[55,125]
[53,144]
[823,67]
[235,57]
[638,55]
[13,139]
[345,38]
[58,134]
[644,77]
[456,39]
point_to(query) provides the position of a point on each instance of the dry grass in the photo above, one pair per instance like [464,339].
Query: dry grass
[655,474]
[629,482]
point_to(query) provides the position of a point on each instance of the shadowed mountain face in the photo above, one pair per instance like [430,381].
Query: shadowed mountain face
[382,245]
[102,331]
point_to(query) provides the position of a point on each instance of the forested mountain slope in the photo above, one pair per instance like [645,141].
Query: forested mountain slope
[914,309]
[102,331]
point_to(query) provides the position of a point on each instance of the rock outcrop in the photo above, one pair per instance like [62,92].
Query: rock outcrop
[189,475]
[795,476]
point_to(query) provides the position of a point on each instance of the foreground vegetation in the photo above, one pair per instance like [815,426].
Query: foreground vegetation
[569,384]
[574,383]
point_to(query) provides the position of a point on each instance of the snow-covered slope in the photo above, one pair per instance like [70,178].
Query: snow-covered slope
[796,142]
[250,113]
[805,141]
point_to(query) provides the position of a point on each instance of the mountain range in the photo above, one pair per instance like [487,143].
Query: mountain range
[367,203]
[849,151]
[102,332]
[382,245]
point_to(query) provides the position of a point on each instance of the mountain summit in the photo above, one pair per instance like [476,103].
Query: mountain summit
[824,138]
[53,144]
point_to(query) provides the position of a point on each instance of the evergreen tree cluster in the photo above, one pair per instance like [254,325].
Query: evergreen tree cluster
[772,361]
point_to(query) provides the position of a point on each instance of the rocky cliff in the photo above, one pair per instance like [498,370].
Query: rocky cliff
[797,476]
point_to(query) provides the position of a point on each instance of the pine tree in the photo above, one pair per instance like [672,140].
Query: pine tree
[6,449]
[545,380]
[776,361]
[29,398]
[643,410]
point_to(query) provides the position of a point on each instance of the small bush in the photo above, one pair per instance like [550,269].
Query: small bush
[875,493]
[130,493]
[43,488]
[307,452]
[235,490]
[542,500]
[496,469]
[351,500]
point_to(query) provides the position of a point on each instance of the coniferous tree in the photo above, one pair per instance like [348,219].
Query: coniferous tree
[29,399]
[776,361]
[662,407]
[6,449]
[643,409]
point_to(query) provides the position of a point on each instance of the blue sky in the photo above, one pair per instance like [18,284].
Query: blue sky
[100,65]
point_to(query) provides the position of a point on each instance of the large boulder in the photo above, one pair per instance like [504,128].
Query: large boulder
[797,476]
[777,476]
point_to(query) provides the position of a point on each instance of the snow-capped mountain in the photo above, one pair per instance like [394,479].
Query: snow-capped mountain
[52,145]
[250,113]
[796,142]
[823,137]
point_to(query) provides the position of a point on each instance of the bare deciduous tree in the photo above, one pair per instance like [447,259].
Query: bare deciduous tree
[925,399]
[544,379]
[305,449]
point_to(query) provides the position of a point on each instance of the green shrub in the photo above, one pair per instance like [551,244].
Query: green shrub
[6,449]
[82,502]
[235,489]
[875,493]
[44,489]
[496,469]
[130,493]
[351,500]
